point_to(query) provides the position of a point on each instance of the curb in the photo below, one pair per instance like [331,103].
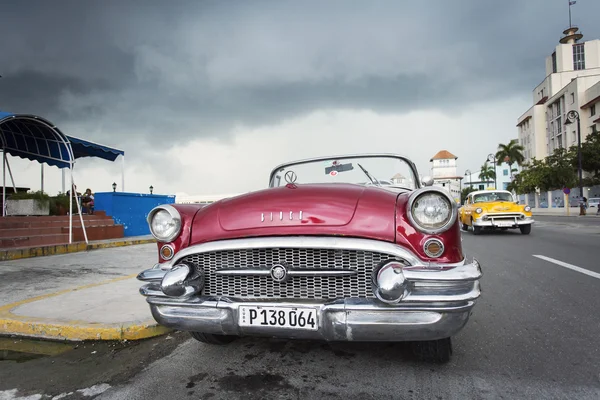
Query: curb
[31,327]
[15,254]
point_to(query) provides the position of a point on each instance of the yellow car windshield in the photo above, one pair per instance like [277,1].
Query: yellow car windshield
[492,196]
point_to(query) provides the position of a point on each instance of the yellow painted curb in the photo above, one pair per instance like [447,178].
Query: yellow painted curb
[15,254]
[11,324]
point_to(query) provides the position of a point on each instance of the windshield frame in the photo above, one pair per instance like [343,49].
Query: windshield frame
[411,165]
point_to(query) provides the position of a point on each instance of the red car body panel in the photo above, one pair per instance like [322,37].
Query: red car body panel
[327,210]
[330,210]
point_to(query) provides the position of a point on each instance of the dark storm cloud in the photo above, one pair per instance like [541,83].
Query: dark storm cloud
[149,69]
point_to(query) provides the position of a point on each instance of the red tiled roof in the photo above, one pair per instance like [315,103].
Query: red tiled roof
[443,155]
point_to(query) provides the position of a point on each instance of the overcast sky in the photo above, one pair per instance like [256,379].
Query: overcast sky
[205,97]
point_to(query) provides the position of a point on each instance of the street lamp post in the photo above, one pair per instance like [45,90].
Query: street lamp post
[573,116]
[114,186]
[492,158]
[151,189]
[469,173]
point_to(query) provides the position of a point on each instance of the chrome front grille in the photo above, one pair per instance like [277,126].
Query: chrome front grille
[301,287]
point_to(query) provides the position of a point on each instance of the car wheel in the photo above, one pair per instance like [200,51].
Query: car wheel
[464,227]
[213,339]
[437,351]
[525,229]
[476,230]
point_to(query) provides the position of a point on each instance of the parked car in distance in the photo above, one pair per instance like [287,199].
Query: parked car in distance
[494,209]
[319,254]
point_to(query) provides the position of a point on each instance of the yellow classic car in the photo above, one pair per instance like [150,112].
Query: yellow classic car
[494,209]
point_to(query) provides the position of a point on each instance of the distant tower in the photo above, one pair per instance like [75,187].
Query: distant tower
[444,173]
[571,35]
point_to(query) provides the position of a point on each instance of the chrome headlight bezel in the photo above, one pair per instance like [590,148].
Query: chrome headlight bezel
[527,209]
[428,190]
[478,210]
[174,215]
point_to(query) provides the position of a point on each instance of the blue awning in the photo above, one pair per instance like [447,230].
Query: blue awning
[84,148]
[37,139]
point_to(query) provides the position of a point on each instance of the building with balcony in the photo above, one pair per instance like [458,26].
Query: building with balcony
[572,82]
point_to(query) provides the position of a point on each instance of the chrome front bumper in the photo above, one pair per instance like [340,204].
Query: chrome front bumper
[493,223]
[344,320]
[437,304]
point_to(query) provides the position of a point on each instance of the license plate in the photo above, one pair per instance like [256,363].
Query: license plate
[504,223]
[279,317]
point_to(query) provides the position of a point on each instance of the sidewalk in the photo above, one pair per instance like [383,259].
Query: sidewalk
[27,252]
[107,309]
[562,212]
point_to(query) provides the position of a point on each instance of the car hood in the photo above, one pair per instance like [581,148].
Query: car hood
[339,209]
[499,206]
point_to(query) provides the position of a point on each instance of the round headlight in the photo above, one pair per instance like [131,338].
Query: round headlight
[527,208]
[478,211]
[165,223]
[431,210]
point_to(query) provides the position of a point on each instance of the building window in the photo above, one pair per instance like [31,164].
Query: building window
[505,172]
[554,62]
[481,187]
[572,98]
[578,56]
[593,110]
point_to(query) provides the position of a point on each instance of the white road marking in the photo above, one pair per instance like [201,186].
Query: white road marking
[570,266]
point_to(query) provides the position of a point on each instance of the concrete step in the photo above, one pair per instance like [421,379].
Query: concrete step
[15,223]
[102,232]
[34,240]
[24,232]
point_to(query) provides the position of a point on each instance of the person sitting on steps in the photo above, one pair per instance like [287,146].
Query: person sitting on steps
[87,202]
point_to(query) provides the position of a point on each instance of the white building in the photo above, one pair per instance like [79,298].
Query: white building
[444,173]
[572,83]
[503,178]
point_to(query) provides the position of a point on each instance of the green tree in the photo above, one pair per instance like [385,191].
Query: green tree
[465,192]
[487,172]
[511,153]
[590,158]
[554,172]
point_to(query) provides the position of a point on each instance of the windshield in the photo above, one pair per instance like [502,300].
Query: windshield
[492,196]
[377,170]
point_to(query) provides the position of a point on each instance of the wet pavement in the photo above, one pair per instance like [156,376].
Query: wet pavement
[47,369]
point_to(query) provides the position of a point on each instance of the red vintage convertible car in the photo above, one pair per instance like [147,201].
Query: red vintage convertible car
[345,248]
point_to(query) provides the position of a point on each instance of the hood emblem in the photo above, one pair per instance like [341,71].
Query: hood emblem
[264,216]
[290,177]
[279,273]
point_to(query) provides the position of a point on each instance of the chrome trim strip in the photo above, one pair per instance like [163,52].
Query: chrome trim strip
[315,242]
[292,272]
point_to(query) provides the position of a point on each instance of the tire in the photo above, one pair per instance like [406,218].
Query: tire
[464,227]
[213,339]
[525,229]
[436,351]
[476,230]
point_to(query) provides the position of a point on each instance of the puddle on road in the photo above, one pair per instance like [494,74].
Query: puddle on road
[23,350]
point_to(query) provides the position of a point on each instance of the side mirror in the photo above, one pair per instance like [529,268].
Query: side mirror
[427,181]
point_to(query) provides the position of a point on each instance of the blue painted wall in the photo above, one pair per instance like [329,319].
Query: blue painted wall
[130,209]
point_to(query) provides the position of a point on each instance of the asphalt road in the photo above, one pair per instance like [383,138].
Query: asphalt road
[534,334]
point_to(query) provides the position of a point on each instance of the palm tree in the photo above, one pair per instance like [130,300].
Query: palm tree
[510,153]
[487,172]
